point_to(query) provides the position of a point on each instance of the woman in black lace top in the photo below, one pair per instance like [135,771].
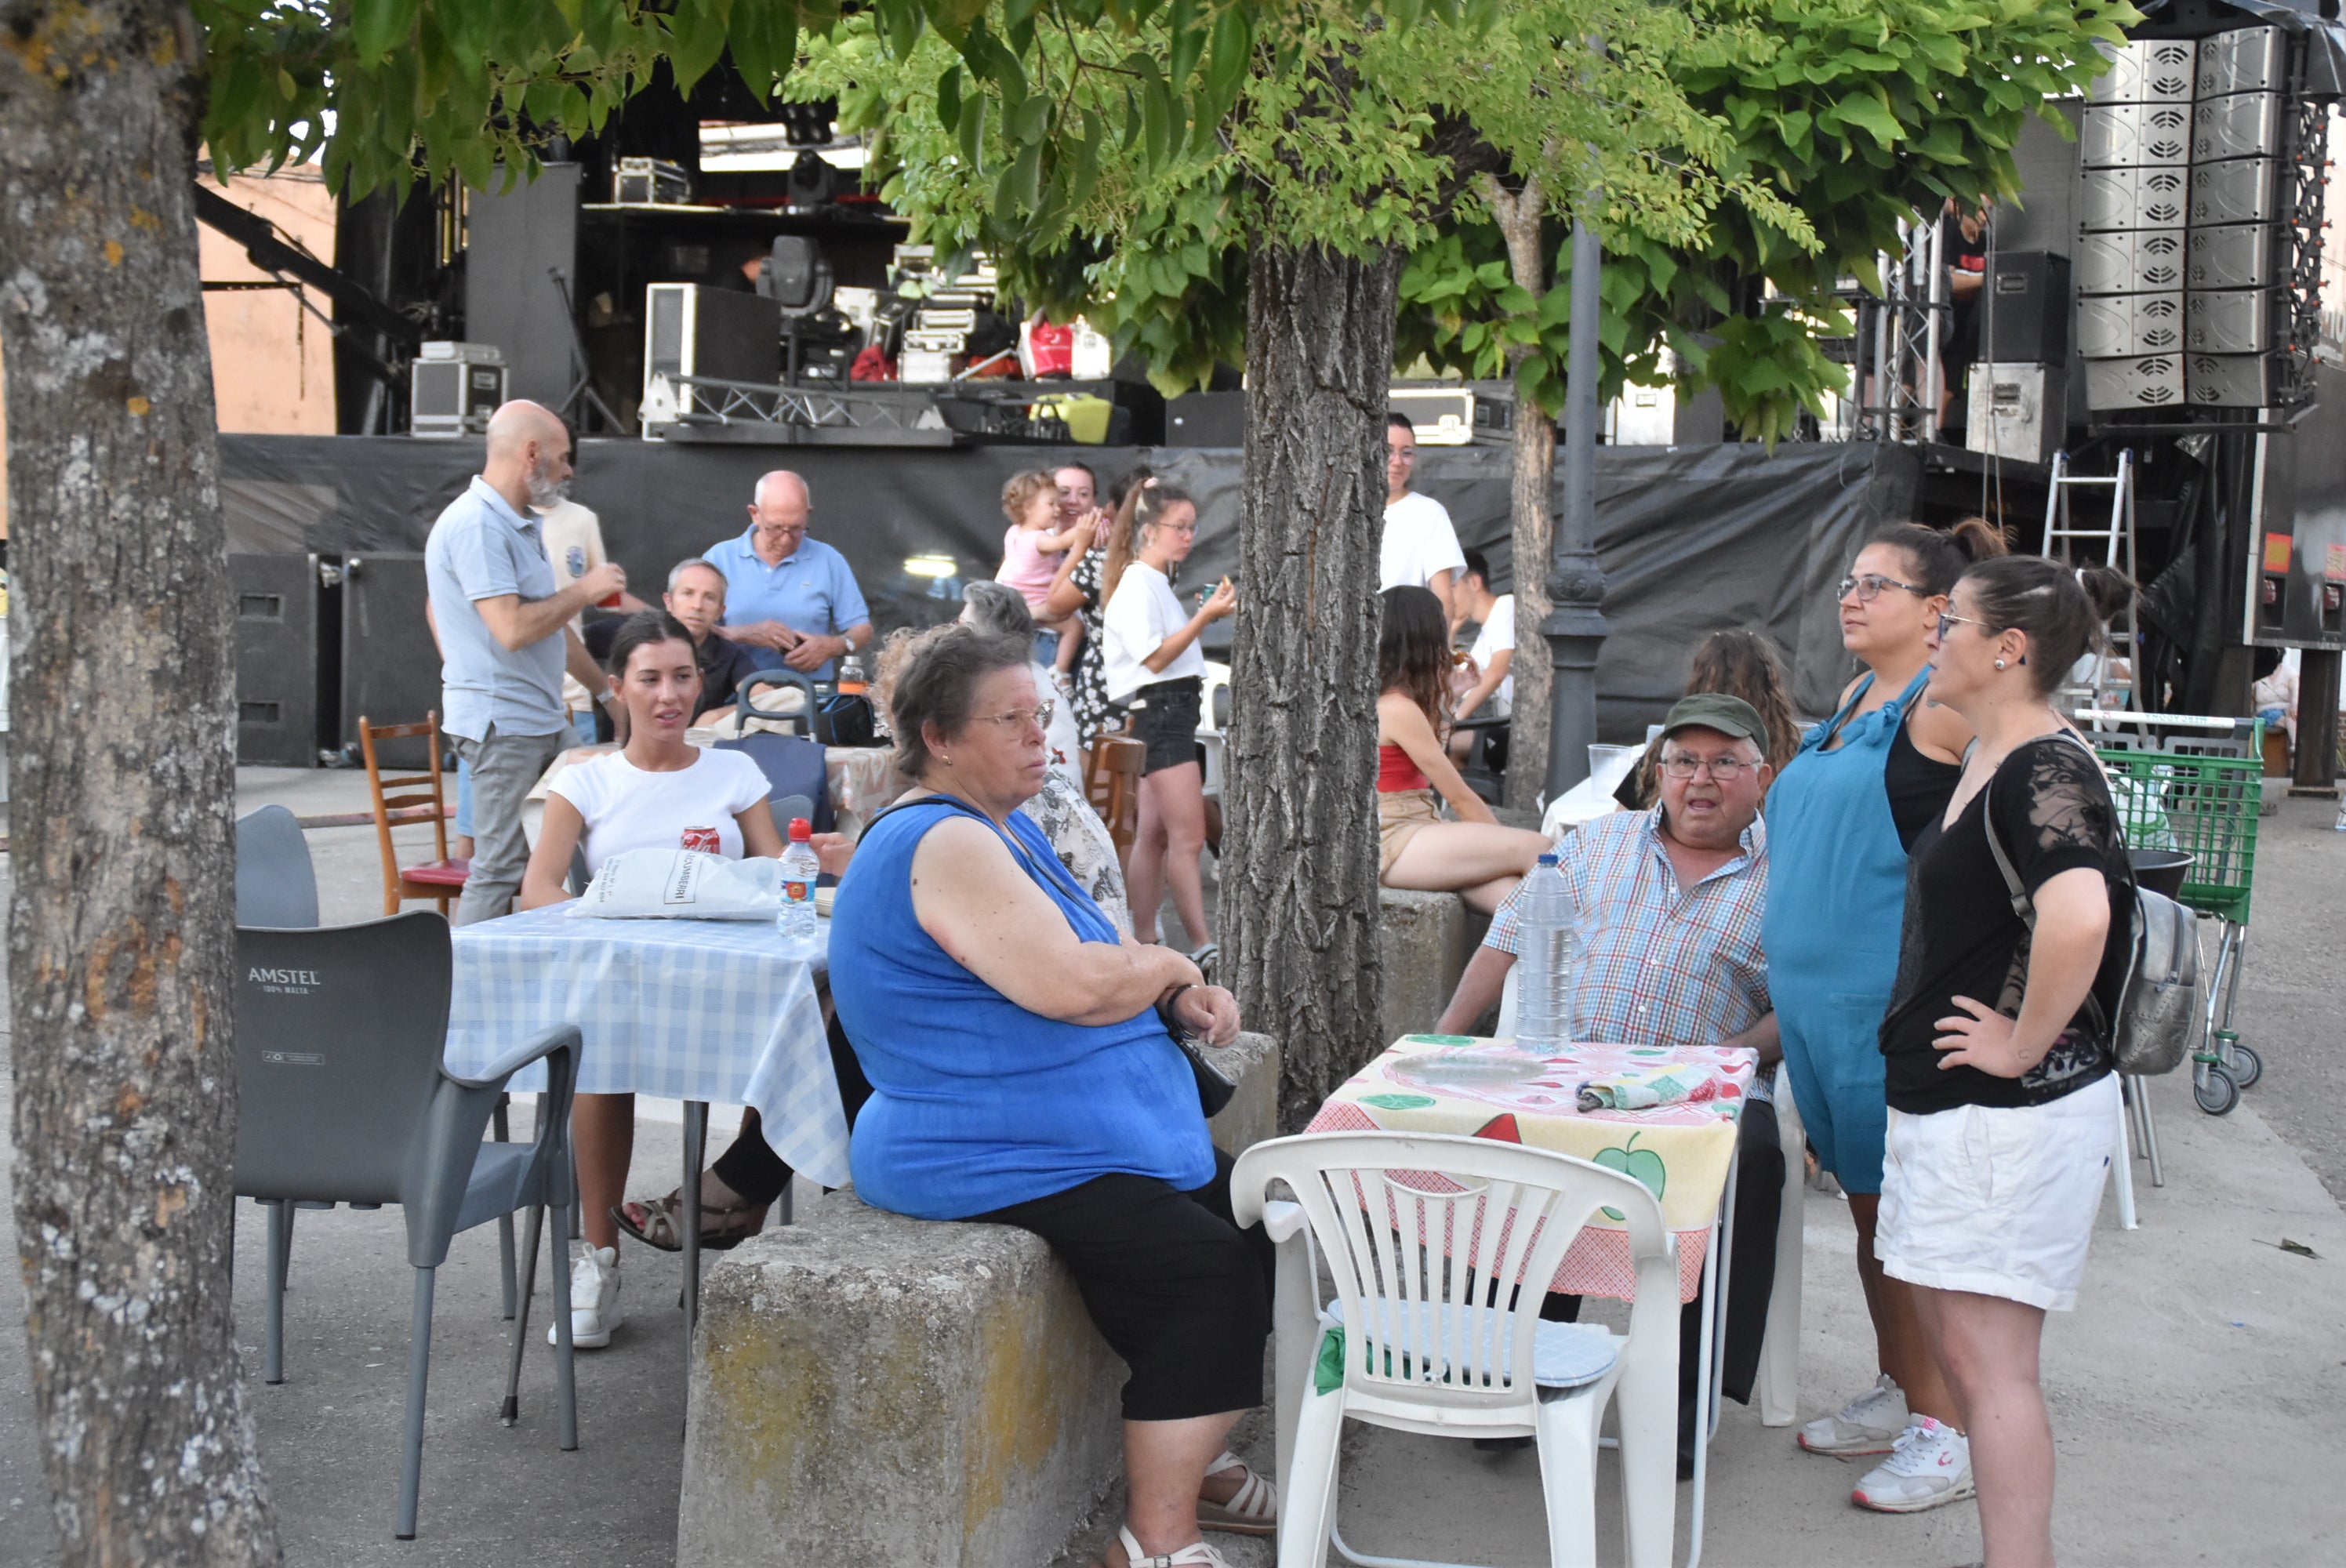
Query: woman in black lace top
[2003,1102]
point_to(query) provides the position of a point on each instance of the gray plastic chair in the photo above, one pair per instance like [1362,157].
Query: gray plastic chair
[786,808]
[343,1099]
[275,884]
[803,718]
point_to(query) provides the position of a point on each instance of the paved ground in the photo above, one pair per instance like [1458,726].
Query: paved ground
[2193,1392]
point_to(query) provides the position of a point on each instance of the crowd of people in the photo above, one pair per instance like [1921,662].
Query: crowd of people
[1838,901]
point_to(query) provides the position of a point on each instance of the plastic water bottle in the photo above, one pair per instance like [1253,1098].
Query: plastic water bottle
[796,921]
[1543,956]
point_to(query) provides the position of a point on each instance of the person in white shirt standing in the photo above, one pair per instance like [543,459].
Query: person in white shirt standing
[573,536]
[1153,664]
[1421,548]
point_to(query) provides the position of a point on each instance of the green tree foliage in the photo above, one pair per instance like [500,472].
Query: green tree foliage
[1858,114]
[1342,126]
[455,89]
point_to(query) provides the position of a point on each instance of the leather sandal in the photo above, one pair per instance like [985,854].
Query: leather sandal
[722,1227]
[1196,1555]
[1253,1510]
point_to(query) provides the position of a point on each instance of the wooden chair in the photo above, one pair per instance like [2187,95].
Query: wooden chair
[1114,787]
[439,879]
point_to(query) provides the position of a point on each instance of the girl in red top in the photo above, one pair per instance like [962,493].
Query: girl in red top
[1473,855]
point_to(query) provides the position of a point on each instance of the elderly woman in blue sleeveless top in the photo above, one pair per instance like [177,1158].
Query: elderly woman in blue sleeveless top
[1024,1072]
[1840,820]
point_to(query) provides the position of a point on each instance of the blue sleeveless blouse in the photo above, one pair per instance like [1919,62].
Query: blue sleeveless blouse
[978,1103]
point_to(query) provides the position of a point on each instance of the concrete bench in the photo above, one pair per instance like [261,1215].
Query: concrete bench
[1424,941]
[873,1391]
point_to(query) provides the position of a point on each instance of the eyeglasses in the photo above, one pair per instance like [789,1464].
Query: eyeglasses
[1722,768]
[1869,587]
[1400,453]
[1018,718]
[1950,618]
[1189,527]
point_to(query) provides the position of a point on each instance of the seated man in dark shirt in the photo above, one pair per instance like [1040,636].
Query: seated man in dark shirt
[695,595]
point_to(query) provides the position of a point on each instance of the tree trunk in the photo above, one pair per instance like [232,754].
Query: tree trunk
[1299,895]
[1531,487]
[120,940]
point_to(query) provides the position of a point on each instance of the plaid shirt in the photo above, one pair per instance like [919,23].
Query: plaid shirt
[1657,966]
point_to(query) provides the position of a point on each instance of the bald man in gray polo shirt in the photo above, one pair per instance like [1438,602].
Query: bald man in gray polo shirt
[506,638]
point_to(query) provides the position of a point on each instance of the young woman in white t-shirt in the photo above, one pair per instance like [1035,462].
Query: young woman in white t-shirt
[660,791]
[1153,664]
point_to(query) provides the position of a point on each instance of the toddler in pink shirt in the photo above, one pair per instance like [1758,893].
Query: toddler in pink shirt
[1034,549]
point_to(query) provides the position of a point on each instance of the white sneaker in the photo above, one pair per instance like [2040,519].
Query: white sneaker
[595,1308]
[1869,1423]
[1931,1465]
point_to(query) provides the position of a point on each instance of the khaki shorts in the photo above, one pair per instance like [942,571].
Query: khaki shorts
[1401,814]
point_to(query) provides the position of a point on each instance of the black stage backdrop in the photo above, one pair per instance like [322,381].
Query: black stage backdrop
[1692,539]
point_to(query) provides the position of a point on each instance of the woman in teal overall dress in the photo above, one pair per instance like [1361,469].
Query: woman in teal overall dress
[1838,819]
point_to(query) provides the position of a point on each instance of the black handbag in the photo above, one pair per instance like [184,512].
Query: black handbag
[1214,1091]
[847,719]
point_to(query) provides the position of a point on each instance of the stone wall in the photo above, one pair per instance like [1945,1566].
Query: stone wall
[873,1391]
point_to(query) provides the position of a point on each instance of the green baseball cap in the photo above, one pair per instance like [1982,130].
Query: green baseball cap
[1716,710]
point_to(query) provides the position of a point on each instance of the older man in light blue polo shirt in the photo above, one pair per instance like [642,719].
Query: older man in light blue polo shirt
[790,600]
[505,639]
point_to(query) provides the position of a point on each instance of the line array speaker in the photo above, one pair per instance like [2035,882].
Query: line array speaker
[2135,152]
[2230,315]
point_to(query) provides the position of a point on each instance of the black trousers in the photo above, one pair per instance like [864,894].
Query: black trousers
[1750,1276]
[1171,1282]
[750,1167]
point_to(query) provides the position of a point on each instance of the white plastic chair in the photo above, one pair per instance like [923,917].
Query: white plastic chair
[1211,734]
[1430,1346]
[1778,1394]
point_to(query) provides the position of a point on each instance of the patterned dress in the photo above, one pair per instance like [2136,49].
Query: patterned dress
[1081,842]
[1092,712]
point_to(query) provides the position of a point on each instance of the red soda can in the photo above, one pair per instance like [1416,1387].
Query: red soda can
[708,840]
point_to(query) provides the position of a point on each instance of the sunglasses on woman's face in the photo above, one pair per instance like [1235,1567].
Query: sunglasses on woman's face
[1948,619]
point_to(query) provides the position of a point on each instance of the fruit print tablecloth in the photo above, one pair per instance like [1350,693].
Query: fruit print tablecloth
[1682,1151]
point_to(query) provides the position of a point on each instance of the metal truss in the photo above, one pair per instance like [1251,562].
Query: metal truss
[709,401]
[1894,379]
[2305,154]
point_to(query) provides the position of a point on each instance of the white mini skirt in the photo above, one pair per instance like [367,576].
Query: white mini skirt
[1998,1201]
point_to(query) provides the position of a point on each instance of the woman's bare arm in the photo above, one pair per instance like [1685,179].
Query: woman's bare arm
[972,896]
[759,837]
[558,833]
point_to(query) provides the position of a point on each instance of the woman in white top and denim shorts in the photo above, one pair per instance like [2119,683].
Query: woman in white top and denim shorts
[1154,667]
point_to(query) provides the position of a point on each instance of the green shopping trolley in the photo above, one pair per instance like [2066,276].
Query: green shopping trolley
[2195,785]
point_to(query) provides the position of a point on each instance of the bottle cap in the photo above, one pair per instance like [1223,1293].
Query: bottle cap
[801,831]
[1548,859]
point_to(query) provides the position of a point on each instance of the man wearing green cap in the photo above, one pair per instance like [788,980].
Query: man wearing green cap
[1668,953]
[1669,899]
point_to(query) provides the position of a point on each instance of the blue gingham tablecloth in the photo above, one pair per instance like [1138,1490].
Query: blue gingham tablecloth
[687,1009]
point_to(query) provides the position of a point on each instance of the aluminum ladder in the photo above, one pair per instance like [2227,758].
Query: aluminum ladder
[2114,542]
